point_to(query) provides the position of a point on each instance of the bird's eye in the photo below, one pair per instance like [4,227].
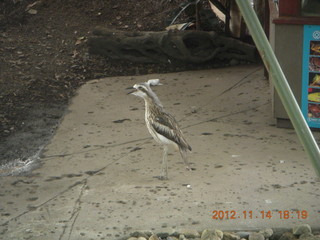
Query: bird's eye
[142,89]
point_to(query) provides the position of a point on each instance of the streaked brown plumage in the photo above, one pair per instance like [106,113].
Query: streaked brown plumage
[162,126]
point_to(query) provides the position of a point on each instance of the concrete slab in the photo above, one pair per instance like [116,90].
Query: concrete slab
[96,179]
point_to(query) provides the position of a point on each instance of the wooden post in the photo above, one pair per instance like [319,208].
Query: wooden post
[289,8]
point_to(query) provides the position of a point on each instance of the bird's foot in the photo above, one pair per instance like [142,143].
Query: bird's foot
[190,168]
[161,177]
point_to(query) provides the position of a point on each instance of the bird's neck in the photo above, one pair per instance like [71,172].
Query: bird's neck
[151,106]
[152,100]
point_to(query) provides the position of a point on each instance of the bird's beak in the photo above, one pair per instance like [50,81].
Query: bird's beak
[132,90]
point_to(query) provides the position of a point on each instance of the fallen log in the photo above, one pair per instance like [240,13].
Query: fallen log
[164,46]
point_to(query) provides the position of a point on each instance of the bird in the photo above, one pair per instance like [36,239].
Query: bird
[162,126]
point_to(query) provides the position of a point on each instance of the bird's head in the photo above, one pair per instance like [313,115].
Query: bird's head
[144,91]
[140,90]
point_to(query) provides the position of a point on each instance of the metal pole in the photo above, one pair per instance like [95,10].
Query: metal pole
[281,84]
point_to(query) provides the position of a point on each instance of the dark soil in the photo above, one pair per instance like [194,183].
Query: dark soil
[44,59]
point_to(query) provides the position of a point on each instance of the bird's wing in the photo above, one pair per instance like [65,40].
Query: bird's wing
[166,125]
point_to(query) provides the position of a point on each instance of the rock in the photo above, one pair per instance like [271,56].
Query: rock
[305,236]
[182,237]
[244,234]
[218,233]
[309,236]
[32,11]
[172,238]
[256,236]
[141,238]
[301,229]
[287,236]
[132,238]
[138,234]
[190,233]
[215,237]
[162,234]
[230,236]
[148,233]
[166,232]
[267,233]
[153,237]
[209,235]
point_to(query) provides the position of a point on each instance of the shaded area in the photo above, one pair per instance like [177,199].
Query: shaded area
[170,46]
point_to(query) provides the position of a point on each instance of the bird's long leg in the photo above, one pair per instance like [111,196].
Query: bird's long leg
[164,166]
[185,160]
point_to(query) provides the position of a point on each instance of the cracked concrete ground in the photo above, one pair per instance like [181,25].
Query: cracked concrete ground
[96,177]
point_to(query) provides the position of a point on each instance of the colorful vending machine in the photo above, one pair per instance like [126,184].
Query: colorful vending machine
[310,101]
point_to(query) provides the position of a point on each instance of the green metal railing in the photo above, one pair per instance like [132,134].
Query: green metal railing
[280,83]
